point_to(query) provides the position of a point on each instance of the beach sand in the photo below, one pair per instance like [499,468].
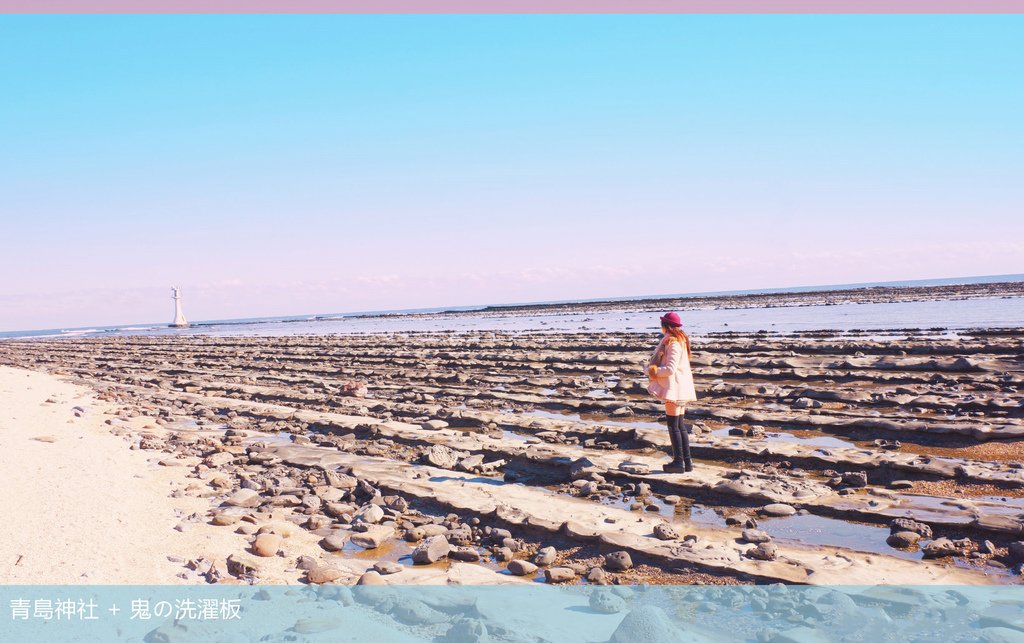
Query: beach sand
[81,506]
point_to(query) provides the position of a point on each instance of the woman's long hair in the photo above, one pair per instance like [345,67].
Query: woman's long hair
[677,333]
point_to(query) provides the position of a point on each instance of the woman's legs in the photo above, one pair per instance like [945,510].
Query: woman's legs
[680,437]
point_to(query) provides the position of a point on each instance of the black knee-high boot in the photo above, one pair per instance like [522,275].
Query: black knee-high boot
[678,464]
[673,435]
[684,443]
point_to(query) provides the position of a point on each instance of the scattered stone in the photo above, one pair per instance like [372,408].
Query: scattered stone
[635,468]
[248,498]
[242,565]
[1015,551]
[665,531]
[906,524]
[755,536]
[442,457]
[371,577]
[369,513]
[743,520]
[545,556]
[764,551]
[618,561]
[267,545]
[903,539]
[324,574]
[559,574]
[431,550]
[374,536]
[520,567]
[941,548]
[387,567]
[856,479]
[465,554]
[778,510]
[583,468]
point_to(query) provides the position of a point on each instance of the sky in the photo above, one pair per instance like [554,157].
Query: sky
[286,165]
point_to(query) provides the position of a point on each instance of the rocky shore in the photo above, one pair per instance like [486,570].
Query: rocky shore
[822,458]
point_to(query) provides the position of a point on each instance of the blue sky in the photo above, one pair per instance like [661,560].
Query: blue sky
[279,165]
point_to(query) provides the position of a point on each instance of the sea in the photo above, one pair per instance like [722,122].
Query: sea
[954,314]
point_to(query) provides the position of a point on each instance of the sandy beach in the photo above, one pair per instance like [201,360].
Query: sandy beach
[826,457]
[82,506]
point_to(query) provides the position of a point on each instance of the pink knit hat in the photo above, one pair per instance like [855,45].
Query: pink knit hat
[672,319]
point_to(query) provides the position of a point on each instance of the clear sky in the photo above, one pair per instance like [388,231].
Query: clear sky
[276,165]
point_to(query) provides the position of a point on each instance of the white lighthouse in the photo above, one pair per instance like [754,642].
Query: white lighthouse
[179,317]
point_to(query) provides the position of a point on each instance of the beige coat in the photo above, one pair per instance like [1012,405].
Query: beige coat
[674,380]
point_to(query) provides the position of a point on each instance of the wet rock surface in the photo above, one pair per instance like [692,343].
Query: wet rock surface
[540,436]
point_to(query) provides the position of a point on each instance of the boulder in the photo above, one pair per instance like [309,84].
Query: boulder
[371,577]
[374,536]
[430,550]
[903,539]
[323,574]
[248,498]
[906,524]
[387,567]
[665,531]
[368,513]
[778,510]
[764,551]
[942,547]
[618,561]
[242,565]
[521,567]
[856,479]
[267,545]
[583,468]
[1015,551]
[559,574]
[334,542]
[545,556]
[442,457]
[755,536]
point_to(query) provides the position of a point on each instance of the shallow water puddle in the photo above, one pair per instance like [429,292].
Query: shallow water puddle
[820,441]
[819,530]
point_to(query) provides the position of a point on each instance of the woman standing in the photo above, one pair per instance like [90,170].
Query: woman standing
[672,383]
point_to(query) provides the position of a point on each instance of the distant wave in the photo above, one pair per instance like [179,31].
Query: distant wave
[83,331]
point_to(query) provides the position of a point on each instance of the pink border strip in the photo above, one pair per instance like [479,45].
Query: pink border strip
[514,6]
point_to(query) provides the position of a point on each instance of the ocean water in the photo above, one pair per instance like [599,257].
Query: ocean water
[996,312]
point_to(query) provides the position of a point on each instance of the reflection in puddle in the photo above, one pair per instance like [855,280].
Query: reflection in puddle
[819,530]
[270,439]
[821,441]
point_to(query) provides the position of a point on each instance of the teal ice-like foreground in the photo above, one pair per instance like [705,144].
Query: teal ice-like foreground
[634,614]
